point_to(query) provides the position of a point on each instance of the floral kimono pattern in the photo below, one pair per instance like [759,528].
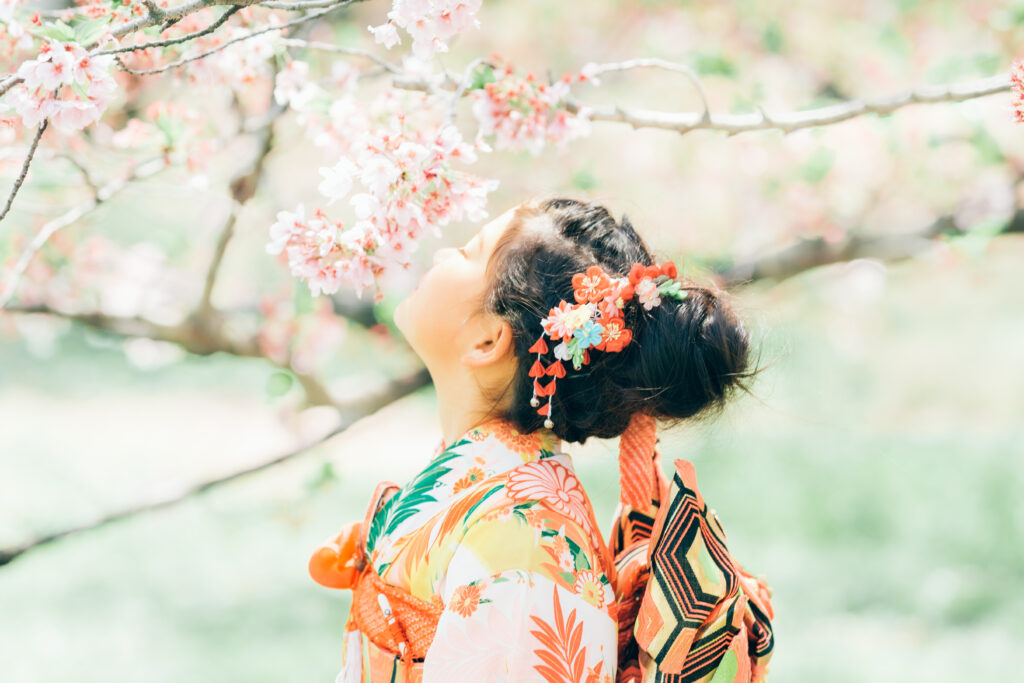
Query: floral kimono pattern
[498,529]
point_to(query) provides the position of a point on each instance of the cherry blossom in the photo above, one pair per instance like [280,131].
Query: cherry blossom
[1017,85]
[431,23]
[7,10]
[82,83]
[409,187]
[524,113]
[292,86]
[244,61]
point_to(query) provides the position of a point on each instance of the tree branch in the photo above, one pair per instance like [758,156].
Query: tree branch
[142,170]
[174,41]
[810,253]
[243,187]
[226,43]
[24,169]
[732,124]
[330,47]
[367,404]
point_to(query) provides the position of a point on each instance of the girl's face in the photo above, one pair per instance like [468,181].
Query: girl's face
[434,316]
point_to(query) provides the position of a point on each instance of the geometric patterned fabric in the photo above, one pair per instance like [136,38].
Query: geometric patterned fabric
[689,612]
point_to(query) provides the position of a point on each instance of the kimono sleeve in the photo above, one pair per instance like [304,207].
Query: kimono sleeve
[512,613]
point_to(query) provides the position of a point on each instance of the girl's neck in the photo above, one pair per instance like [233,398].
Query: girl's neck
[460,408]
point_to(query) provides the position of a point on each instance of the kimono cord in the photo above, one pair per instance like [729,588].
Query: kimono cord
[636,461]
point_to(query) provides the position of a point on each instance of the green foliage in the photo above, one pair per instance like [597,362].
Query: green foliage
[482,75]
[171,128]
[302,298]
[986,146]
[83,32]
[90,30]
[322,477]
[964,66]
[772,38]
[975,241]
[58,30]
[817,166]
[584,179]
[707,63]
[891,38]
[279,383]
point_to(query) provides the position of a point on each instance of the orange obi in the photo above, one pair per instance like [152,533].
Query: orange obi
[393,619]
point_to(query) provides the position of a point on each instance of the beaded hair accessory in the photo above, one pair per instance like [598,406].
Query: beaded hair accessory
[596,320]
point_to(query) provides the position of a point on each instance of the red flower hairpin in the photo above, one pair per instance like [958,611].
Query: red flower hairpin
[595,320]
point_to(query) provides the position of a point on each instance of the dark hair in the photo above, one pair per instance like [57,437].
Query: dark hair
[685,356]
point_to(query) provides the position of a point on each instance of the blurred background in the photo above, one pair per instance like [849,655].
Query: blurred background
[874,480]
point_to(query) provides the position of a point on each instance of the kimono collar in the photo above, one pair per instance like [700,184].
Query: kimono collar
[493,447]
[496,445]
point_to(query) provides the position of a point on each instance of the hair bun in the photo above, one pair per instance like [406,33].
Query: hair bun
[685,356]
[691,355]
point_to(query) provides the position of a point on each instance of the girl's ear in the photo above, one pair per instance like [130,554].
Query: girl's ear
[492,343]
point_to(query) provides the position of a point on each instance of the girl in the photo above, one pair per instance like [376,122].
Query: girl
[552,324]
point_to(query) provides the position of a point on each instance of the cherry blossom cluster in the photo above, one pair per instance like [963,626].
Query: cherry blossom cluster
[522,112]
[13,36]
[1017,86]
[431,23]
[596,320]
[63,84]
[409,186]
[245,61]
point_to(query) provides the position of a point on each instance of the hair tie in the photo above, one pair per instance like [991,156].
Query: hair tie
[595,321]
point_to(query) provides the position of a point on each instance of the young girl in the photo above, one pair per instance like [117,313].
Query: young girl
[553,323]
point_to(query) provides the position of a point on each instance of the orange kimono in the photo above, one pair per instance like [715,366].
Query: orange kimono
[498,530]
[489,566]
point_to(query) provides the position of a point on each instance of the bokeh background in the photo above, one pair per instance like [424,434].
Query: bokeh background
[874,479]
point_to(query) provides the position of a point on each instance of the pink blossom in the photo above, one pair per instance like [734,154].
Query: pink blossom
[430,23]
[337,180]
[408,187]
[83,84]
[524,113]
[1017,86]
[386,34]
[7,10]
[292,86]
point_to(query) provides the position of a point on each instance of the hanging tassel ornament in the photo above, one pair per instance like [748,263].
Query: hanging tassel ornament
[539,347]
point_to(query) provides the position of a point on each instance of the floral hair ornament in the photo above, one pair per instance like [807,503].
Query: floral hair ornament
[596,320]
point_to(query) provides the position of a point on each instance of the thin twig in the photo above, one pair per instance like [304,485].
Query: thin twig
[250,34]
[86,176]
[467,74]
[142,170]
[174,41]
[660,64]
[9,82]
[328,47]
[24,168]
[297,6]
